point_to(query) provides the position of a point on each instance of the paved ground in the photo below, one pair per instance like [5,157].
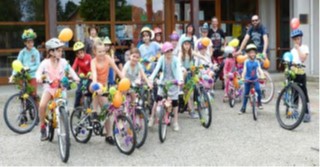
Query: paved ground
[231,140]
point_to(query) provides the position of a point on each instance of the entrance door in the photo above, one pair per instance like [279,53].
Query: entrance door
[283,30]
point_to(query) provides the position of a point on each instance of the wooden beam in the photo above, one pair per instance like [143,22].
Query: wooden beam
[195,15]
[52,18]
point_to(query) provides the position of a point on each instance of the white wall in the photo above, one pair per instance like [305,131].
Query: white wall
[316,32]
[267,13]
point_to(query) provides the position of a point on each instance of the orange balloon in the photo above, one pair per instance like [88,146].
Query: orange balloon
[205,41]
[124,85]
[266,63]
[235,82]
[241,58]
[65,35]
[117,99]
[295,23]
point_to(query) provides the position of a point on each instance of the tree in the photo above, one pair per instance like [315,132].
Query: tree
[10,10]
[71,7]
[95,10]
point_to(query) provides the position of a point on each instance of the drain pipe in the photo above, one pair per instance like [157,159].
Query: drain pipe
[312,53]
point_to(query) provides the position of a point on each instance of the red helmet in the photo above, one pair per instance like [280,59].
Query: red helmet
[157,30]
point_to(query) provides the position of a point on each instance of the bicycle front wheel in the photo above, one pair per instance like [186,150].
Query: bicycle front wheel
[63,135]
[267,89]
[231,95]
[162,125]
[204,108]
[140,127]
[20,114]
[80,124]
[124,134]
[253,105]
[290,107]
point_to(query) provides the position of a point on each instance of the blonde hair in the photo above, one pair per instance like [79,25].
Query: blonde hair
[135,50]
[97,42]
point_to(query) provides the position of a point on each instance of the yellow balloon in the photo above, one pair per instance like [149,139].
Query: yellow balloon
[65,35]
[17,66]
[234,43]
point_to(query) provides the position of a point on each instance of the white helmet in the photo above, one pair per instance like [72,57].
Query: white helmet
[228,50]
[54,43]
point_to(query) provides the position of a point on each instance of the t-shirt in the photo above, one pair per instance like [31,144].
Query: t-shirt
[216,38]
[256,35]
[31,59]
[132,73]
[83,65]
[252,69]
[148,51]
[296,58]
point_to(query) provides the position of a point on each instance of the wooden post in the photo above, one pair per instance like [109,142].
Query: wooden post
[195,15]
[51,5]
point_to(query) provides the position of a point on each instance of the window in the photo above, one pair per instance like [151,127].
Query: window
[206,10]
[22,10]
[139,10]
[238,10]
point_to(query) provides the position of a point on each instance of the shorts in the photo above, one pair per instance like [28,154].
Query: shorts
[175,103]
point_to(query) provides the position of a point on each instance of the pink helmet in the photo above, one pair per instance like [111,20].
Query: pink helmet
[174,36]
[157,30]
[166,47]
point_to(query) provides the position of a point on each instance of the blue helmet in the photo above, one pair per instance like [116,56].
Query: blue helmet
[185,39]
[296,33]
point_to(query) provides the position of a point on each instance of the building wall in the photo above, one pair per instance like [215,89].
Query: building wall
[316,35]
[267,13]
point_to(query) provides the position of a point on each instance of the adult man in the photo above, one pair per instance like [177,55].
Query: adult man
[258,35]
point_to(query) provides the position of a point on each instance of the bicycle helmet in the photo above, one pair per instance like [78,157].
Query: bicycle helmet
[107,41]
[296,33]
[147,29]
[166,47]
[185,39]
[54,43]
[157,30]
[78,46]
[228,50]
[28,34]
[205,27]
[174,36]
[251,47]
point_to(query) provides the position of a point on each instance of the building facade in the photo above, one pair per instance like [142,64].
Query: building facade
[122,20]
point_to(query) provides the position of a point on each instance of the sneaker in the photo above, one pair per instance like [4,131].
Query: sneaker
[193,115]
[44,136]
[150,123]
[242,111]
[307,118]
[260,106]
[109,140]
[176,126]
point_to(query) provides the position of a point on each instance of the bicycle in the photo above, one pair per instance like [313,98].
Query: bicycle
[290,97]
[235,89]
[253,97]
[267,87]
[134,109]
[21,119]
[57,115]
[123,129]
[166,112]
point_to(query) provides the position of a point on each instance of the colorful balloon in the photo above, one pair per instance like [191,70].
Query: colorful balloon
[117,99]
[65,35]
[112,91]
[17,66]
[266,63]
[205,41]
[295,23]
[241,58]
[124,85]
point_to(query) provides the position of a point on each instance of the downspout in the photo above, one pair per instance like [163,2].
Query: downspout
[311,39]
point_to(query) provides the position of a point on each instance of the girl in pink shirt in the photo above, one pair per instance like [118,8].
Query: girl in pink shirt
[229,66]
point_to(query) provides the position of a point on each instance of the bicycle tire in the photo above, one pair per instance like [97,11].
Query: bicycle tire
[231,98]
[304,106]
[254,110]
[79,126]
[124,132]
[140,114]
[30,102]
[268,99]
[162,126]
[203,122]
[64,148]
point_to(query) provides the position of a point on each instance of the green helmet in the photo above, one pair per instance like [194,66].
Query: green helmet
[28,34]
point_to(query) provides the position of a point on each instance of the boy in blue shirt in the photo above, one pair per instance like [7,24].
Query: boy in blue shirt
[250,73]
[30,58]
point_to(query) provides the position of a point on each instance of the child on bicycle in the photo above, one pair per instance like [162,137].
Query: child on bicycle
[82,65]
[133,69]
[171,71]
[250,73]
[30,58]
[53,68]
[100,70]
[187,58]
[228,67]
[300,53]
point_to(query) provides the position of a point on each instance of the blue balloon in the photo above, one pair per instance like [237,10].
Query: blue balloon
[95,87]
[287,56]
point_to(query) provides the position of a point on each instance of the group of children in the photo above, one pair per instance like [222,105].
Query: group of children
[176,58]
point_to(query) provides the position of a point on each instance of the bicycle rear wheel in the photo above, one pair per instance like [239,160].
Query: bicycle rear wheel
[20,114]
[290,107]
[124,134]
[63,135]
[204,108]
[231,95]
[140,127]
[267,89]
[80,124]
[162,125]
